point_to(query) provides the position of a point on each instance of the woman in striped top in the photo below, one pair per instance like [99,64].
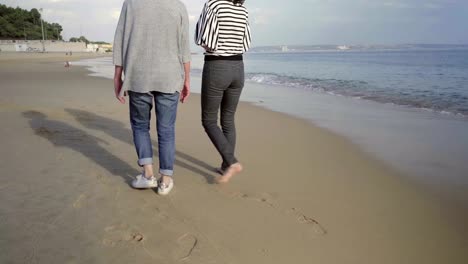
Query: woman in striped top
[223,31]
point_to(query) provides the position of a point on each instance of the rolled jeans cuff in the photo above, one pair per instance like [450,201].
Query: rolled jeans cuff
[145,161]
[166,172]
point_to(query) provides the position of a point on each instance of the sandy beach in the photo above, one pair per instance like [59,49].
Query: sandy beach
[306,195]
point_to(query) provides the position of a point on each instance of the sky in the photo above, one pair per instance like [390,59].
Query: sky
[291,22]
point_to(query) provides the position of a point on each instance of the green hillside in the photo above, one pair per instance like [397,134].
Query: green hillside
[17,23]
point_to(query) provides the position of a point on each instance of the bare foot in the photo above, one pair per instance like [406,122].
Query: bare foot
[229,173]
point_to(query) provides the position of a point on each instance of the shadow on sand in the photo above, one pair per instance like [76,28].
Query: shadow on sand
[61,134]
[117,130]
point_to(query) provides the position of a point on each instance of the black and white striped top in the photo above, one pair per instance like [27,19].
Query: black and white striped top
[223,28]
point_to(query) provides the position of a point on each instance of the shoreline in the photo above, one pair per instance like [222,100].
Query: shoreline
[329,201]
[386,132]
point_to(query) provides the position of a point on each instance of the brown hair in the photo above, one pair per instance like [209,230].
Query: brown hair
[238,2]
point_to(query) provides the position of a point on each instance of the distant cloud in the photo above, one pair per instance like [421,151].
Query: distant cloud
[426,5]
[432,6]
[55,1]
[193,18]
[115,13]
[396,5]
[261,16]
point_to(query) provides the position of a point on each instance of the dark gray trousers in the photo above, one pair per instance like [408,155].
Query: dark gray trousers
[222,84]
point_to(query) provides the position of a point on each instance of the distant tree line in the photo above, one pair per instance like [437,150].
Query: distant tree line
[80,39]
[85,40]
[17,23]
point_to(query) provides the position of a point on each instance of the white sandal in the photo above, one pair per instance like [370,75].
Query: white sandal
[165,189]
[141,182]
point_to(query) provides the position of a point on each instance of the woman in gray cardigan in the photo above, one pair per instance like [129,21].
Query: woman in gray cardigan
[151,47]
[223,31]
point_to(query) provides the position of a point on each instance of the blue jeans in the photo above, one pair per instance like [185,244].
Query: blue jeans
[141,105]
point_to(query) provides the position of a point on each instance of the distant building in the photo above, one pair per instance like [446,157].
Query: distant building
[100,48]
[92,47]
[344,47]
[284,49]
[106,47]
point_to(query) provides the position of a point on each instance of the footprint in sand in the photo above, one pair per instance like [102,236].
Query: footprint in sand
[159,210]
[265,198]
[121,234]
[80,201]
[99,177]
[161,213]
[301,218]
[268,199]
[187,245]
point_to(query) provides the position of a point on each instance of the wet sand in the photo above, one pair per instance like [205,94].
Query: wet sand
[305,196]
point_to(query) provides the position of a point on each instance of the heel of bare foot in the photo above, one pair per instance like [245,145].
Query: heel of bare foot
[229,173]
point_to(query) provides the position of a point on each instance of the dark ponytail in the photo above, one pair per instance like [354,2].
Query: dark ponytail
[238,2]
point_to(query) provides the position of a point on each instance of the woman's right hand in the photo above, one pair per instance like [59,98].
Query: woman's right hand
[118,84]
[185,93]
[207,49]
[117,88]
